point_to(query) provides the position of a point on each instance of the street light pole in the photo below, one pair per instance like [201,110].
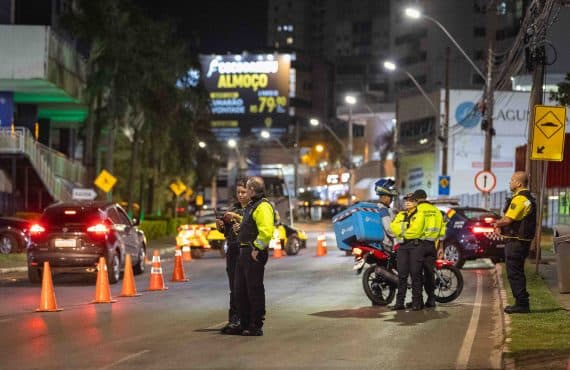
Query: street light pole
[350,100]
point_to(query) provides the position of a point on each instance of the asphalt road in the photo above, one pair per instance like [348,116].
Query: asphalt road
[317,317]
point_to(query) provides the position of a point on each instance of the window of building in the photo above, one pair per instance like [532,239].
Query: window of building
[289,40]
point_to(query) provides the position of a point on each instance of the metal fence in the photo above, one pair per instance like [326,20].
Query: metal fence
[556,204]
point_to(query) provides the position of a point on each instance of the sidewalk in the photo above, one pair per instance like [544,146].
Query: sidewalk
[165,244]
[549,272]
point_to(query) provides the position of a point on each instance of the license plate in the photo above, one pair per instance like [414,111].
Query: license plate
[358,264]
[500,246]
[66,243]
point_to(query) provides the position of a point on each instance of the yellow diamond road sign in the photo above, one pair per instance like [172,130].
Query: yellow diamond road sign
[177,187]
[548,133]
[105,181]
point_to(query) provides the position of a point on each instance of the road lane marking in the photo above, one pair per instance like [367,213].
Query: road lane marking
[467,345]
[126,358]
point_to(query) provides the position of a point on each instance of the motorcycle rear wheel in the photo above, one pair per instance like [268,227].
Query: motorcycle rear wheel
[377,289]
[448,284]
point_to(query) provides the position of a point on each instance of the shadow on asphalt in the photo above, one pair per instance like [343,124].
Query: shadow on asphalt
[410,318]
[373,312]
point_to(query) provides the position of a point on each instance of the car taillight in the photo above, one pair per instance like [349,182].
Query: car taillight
[482,229]
[489,220]
[37,229]
[98,229]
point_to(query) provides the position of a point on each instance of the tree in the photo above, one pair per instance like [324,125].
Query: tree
[562,96]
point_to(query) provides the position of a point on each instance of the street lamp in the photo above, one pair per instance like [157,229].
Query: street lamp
[415,13]
[350,100]
[202,144]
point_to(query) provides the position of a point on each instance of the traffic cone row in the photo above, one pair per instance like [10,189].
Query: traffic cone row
[178,273]
[102,288]
[129,286]
[321,245]
[47,298]
[156,279]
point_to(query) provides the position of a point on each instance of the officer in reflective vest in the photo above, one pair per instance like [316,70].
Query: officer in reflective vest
[434,228]
[518,226]
[229,226]
[255,232]
[409,225]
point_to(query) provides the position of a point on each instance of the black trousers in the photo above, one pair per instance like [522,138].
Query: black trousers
[515,253]
[428,267]
[250,291]
[410,261]
[232,255]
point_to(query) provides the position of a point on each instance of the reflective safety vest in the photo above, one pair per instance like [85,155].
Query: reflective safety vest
[434,228]
[522,210]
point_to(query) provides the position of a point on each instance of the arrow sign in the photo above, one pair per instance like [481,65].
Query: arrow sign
[83,194]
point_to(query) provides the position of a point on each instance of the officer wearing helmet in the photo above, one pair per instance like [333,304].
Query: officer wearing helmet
[386,192]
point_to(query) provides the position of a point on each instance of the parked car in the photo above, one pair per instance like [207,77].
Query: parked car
[72,236]
[14,235]
[470,235]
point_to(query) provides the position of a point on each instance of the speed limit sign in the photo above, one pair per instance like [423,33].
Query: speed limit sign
[485,181]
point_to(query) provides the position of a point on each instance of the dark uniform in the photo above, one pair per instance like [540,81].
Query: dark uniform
[255,231]
[409,225]
[519,234]
[232,254]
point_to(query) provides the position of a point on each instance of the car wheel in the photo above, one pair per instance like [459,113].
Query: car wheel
[140,266]
[8,244]
[453,252]
[293,245]
[197,253]
[114,269]
[34,275]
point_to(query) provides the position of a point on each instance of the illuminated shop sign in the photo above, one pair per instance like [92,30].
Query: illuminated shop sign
[248,84]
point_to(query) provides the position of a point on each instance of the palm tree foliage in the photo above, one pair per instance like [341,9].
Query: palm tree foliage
[142,124]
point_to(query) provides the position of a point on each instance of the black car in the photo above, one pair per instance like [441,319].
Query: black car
[470,235]
[72,236]
[14,235]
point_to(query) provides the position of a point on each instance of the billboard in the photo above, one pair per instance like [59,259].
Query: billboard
[247,92]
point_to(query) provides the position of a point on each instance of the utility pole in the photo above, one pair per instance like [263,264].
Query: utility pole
[296,159]
[445,128]
[489,92]
[349,154]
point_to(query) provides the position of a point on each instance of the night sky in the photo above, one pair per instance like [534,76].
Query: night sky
[222,26]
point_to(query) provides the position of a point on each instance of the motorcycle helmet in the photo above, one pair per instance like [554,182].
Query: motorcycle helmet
[385,186]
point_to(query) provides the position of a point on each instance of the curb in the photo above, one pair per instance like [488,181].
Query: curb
[508,362]
[7,270]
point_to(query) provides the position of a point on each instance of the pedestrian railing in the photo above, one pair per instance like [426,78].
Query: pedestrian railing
[51,165]
[556,204]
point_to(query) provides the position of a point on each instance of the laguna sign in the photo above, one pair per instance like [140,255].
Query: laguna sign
[83,194]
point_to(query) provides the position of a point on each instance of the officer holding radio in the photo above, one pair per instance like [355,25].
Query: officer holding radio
[229,226]
[409,226]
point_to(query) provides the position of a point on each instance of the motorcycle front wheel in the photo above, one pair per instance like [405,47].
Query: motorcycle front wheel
[377,289]
[448,284]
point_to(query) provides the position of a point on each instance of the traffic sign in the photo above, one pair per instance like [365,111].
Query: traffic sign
[83,194]
[485,181]
[105,181]
[444,182]
[177,187]
[548,133]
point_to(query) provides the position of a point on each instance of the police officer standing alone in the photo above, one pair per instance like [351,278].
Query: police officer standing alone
[434,228]
[409,225]
[518,226]
[226,226]
[255,232]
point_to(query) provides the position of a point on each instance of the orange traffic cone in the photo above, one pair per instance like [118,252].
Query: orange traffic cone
[129,287]
[102,288]
[186,253]
[277,251]
[156,279]
[321,245]
[47,298]
[178,275]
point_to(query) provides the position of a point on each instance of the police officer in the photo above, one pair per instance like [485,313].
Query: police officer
[255,232]
[518,226]
[434,228]
[409,225]
[386,192]
[226,226]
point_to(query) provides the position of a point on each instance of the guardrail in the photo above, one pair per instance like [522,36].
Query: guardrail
[50,164]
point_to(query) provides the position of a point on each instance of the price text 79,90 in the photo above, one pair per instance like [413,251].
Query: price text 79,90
[268,104]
